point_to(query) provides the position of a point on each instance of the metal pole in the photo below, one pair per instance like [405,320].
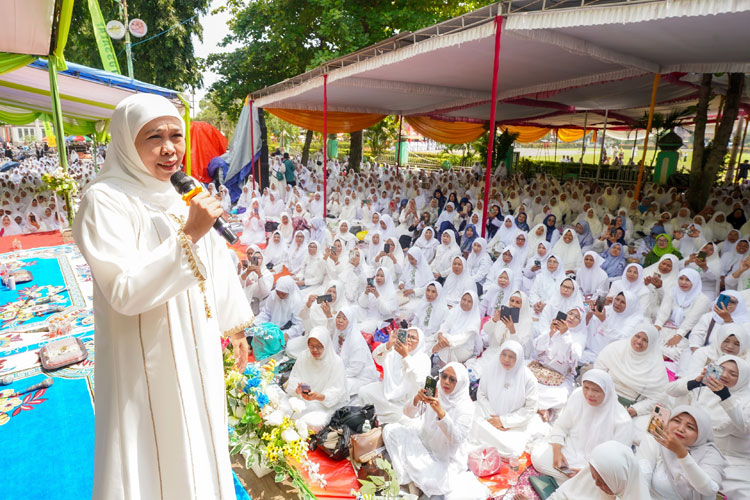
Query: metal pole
[493,106]
[601,153]
[555,159]
[252,143]
[325,145]
[398,146]
[583,145]
[128,52]
[635,141]
[642,165]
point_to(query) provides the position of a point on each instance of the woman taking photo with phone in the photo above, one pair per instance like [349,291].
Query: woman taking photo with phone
[680,461]
[434,459]
[405,366]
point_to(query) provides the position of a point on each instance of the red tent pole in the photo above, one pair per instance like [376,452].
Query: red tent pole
[325,145]
[252,142]
[493,105]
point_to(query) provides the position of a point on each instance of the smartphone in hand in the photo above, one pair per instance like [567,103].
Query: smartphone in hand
[402,335]
[659,418]
[305,388]
[430,386]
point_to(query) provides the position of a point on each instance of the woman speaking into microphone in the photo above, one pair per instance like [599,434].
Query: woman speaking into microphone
[165,291]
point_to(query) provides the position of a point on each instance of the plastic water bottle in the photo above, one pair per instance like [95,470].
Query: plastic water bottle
[366,426]
[472,376]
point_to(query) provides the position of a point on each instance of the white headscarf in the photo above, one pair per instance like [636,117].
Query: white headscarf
[619,469]
[326,375]
[275,252]
[416,276]
[564,304]
[683,300]
[373,249]
[668,280]
[599,422]
[282,310]
[460,321]
[123,167]
[703,451]
[592,280]
[460,396]
[297,255]
[637,288]
[457,284]
[492,296]
[640,372]
[437,313]
[569,253]
[353,349]
[427,246]
[506,389]
[395,385]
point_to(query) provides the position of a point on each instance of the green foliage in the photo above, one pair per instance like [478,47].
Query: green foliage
[382,136]
[293,136]
[282,38]
[503,142]
[209,113]
[167,61]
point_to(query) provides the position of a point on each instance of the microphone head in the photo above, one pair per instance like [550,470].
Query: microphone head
[181,182]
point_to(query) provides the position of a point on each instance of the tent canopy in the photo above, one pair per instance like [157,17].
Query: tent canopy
[87,95]
[557,62]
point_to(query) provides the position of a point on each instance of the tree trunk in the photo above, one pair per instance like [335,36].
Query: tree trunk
[735,149]
[355,150]
[723,133]
[696,199]
[306,147]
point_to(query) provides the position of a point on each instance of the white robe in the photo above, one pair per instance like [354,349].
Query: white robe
[160,405]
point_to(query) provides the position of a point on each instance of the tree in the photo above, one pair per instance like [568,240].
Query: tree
[284,134]
[282,38]
[168,61]
[355,150]
[306,147]
[381,136]
[708,160]
[209,113]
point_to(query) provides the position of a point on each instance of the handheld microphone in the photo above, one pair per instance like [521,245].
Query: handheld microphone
[184,184]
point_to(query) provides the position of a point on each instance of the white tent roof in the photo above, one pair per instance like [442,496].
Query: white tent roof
[555,63]
[85,93]
[26,26]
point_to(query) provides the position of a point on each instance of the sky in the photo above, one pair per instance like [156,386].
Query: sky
[214,30]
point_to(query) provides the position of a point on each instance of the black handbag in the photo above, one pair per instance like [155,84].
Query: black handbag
[354,417]
[333,442]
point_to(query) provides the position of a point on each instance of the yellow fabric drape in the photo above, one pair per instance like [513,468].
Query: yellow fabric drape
[527,134]
[446,132]
[569,134]
[338,122]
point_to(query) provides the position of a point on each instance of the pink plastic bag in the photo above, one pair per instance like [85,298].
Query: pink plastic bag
[485,462]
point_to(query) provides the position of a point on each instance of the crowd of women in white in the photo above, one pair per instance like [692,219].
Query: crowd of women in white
[25,208]
[581,310]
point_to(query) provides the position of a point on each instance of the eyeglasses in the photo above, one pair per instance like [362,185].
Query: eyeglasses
[450,379]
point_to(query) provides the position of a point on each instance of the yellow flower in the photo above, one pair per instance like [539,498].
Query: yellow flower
[4,418]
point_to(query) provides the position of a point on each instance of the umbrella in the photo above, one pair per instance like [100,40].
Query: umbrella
[78,138]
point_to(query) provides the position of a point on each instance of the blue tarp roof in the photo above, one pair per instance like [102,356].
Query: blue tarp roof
[109,79]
